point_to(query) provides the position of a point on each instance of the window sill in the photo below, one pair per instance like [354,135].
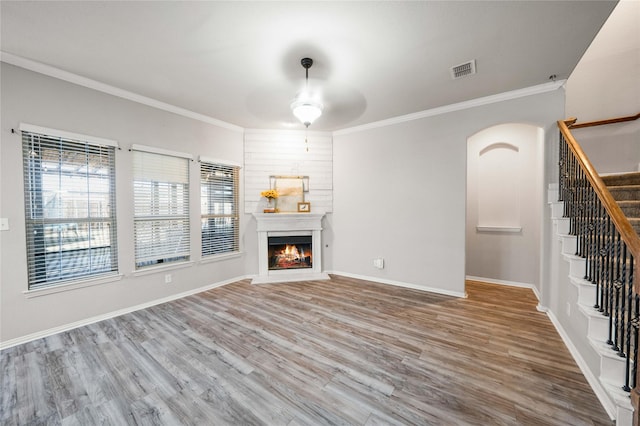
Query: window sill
[507,229]
[71,286]
[154,269]
[221,257]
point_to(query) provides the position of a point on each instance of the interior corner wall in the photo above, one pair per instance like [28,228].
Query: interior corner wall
[606,84]
[400,192]
[37,99]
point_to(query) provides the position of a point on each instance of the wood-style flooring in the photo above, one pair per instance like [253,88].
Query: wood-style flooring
[342,351]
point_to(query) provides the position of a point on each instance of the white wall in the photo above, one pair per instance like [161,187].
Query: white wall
[400,191]
[606,81]
[504,202]
[37,99]
[606,84]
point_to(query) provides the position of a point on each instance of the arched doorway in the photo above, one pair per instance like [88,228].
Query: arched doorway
[504,202]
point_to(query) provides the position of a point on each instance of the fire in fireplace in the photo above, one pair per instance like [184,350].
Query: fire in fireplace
[291,252]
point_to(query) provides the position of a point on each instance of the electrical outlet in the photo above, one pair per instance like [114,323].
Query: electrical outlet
[168,278]
[378,263]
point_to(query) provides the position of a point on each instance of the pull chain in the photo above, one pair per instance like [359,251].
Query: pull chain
[306,142]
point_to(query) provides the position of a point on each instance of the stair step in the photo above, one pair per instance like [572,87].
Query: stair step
[598,324]
[576,264]
[625,192]
[618,179]
[630,208]
[622,401]
[612,366]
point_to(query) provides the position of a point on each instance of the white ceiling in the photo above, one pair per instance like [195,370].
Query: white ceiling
[239,62]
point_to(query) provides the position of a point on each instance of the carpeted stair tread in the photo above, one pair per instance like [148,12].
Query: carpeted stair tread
[630,178]
[625,189]
[625,192]
[631,208]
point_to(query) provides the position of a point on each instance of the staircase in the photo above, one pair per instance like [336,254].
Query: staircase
[611,367]
[625,188]
[597,221]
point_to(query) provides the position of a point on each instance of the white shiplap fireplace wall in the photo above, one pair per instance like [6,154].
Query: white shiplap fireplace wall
[283,153]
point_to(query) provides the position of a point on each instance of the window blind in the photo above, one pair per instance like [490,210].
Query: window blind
[70,209]
[219,208]
[161,208]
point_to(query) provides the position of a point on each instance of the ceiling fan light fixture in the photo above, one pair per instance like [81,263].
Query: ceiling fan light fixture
[306,110]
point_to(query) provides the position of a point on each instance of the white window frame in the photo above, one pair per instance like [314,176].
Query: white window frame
[219,210]
[162,235]
[70,208]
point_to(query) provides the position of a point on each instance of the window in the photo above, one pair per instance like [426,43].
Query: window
[219,208]
[70,206]
[161,206]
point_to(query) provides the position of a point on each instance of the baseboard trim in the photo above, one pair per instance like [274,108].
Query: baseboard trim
[593,381]
[507,283]
[66,327]
[399,284]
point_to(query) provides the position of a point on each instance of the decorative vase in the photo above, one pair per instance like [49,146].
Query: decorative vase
[270,208]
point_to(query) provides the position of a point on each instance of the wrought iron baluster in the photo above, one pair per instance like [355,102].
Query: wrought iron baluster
[562,159]
[626,288]
[589,246]
[636,325]
[620,282]
[631,324]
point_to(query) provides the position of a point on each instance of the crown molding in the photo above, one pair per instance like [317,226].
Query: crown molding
[111,90]
[500,97]
[121,93]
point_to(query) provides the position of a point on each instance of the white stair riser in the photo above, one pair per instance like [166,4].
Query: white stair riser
[612,368]
[624,416]
[599,328]
[562,226]
[576,267]
[587,294]
[557,210]
[569,244]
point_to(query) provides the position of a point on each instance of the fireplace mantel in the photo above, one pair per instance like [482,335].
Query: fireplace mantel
[288,224]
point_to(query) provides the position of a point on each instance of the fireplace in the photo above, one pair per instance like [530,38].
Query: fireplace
[293,252]
[289,247]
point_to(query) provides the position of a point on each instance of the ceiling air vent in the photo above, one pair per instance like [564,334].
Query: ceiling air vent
[465,69]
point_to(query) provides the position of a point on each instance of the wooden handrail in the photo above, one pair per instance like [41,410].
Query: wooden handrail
[601,122]
[627,233]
